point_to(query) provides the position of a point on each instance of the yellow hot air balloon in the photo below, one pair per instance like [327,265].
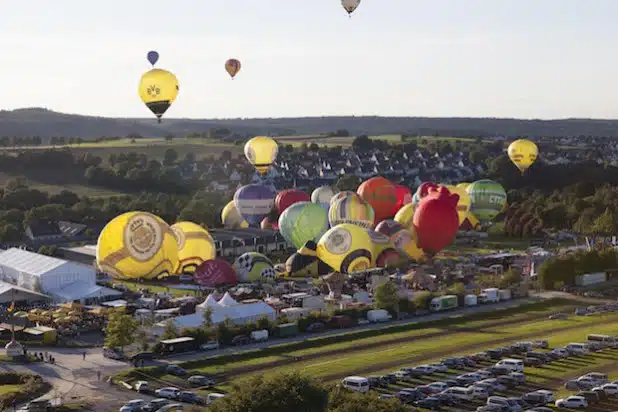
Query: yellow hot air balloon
[405,215]
[523,153]
[195,245]
[231,219]
[462,185]
[158,89]
[463,205]
[261,152]
[346,248]
[232,66]
[137,245]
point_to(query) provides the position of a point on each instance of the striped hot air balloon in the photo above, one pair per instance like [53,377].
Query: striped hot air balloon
[351,209]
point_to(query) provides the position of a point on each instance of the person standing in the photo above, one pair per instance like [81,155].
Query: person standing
[84,355]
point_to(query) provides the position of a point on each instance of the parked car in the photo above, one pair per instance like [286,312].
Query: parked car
[549,395]
[610,388]
[410,395]
[376,382]
[426,369]
[413,372]
[558,316]
[532,362]
[540,409]
[142,386]
[454,363]
[590,396]
[540,343]
[601,393]
[489,388]
[507,381]
[169,393]
[464,394]
[241,340]
[176,370]
[493,408]
[155,405]
[210,345]
[497,371]
[494,354]
[199,380]
[572,402]
[430,402]
[509,404]
[315,327]
[518,376]
[494,383]
[561,352]
[439,367]
[190,397]
[480,356]
[576,385]
[133,406]
[534,398]
[447,399]
[600,378]
[390,378]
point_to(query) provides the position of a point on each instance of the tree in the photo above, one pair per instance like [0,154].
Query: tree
[170,157]
[170,331]
[120,330]
[386,297]
[207,317]
[348,182]
[281,393]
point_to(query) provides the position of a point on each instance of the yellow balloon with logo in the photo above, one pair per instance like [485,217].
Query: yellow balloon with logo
[158,89]
[405,215]
[195,245]
[523,153]
[261,152]
[137,245]
[346,248]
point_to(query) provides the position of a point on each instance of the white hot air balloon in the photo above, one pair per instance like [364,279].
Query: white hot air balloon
[350,5]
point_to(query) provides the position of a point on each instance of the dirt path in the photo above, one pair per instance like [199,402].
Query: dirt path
[376,367]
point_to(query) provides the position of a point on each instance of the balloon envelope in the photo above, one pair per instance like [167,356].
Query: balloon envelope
[137,245]
[261,152]
[267,224]
[158,89]
[302,222]
[254,267]
[523,153]
[153,57]
[351,209]
[215,272]
[346,248]
[405,214]
[487,199]
[381,194]
[463,205]
[436,220]
[323,195]
[254,202]
[195,245]
[287,198]
[402,237]
[231,218]
[232,67]
[404,197]
[350,5]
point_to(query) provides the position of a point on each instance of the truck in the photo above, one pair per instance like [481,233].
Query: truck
[378,315]
[287,330]
[443,303]
[491,295]
[259,335]
[505,294]
[471,300]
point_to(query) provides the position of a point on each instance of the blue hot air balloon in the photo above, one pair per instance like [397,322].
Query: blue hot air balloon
[153,57]
[254,202]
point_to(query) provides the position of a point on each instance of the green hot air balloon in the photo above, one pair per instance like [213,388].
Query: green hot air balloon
[487,199]
[302,222]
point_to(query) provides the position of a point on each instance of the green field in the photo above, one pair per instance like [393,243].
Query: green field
[375,352]
[7,389]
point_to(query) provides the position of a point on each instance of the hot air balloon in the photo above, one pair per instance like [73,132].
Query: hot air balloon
[323,195]
[158,89]
[341,195]
[195,245]
[232,66]
[305,262]
[230,217]
[350,5]
[487,199]
[153,57]
[302,222]
[381,194]
[351,209]
[436,220]
[287,198]
[423,190]
[346,248]
[137,245]
[254,202]
[523,153]
[384,253]
[463,205]
[261,152]
[402,237]
[268,224]
[254,267]
[404,197]
[405,214]
[215,273]
[462,185]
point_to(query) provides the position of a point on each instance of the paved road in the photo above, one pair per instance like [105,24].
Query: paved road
[74,378]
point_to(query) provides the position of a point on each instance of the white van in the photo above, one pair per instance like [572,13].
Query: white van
[606,340]
[356,384]
[514,365]
[465,394]
[578,348]
[213,397]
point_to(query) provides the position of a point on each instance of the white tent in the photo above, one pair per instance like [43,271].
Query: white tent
[227,301]
[210,302]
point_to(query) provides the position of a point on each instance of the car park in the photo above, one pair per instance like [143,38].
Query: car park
[200,380]
[453,363]
[591,397]
[572,402]
[600,378]
[534,398]
[134,405]
[428,403]
[390,378]
[169,393]
[190,397]
[549,395]
[610,388]
[439,367]
[513,365]
[532,362]
[155,405]
[518,376]
[461,393]
[507,381]
[509,404]
[494,383]
[601,393]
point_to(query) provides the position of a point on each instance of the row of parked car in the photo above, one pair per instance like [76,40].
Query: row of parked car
[483,384]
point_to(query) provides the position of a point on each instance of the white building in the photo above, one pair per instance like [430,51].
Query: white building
[64,281]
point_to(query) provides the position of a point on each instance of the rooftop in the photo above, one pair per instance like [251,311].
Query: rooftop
[29,262]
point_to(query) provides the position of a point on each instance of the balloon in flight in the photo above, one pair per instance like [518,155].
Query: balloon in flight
[261,152]
[232,66]
[153,57]
[487,199]
[350,5]
[523,153]
[158,89]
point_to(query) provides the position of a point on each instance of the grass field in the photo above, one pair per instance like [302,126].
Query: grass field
[389,350]
[6,389]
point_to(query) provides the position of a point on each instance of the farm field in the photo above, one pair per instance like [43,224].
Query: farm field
[6,389]
[386,352]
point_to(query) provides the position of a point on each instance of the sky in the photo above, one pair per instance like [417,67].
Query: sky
[439,58]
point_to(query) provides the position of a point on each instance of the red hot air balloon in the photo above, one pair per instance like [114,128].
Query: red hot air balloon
[268,224]
[381,194]
[215,272]
[404,196]
[436,220]
[287,198]
[423,189]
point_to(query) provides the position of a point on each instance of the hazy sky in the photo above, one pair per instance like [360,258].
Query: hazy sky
[503,58]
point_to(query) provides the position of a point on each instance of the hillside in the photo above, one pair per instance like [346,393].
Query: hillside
[46,123]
